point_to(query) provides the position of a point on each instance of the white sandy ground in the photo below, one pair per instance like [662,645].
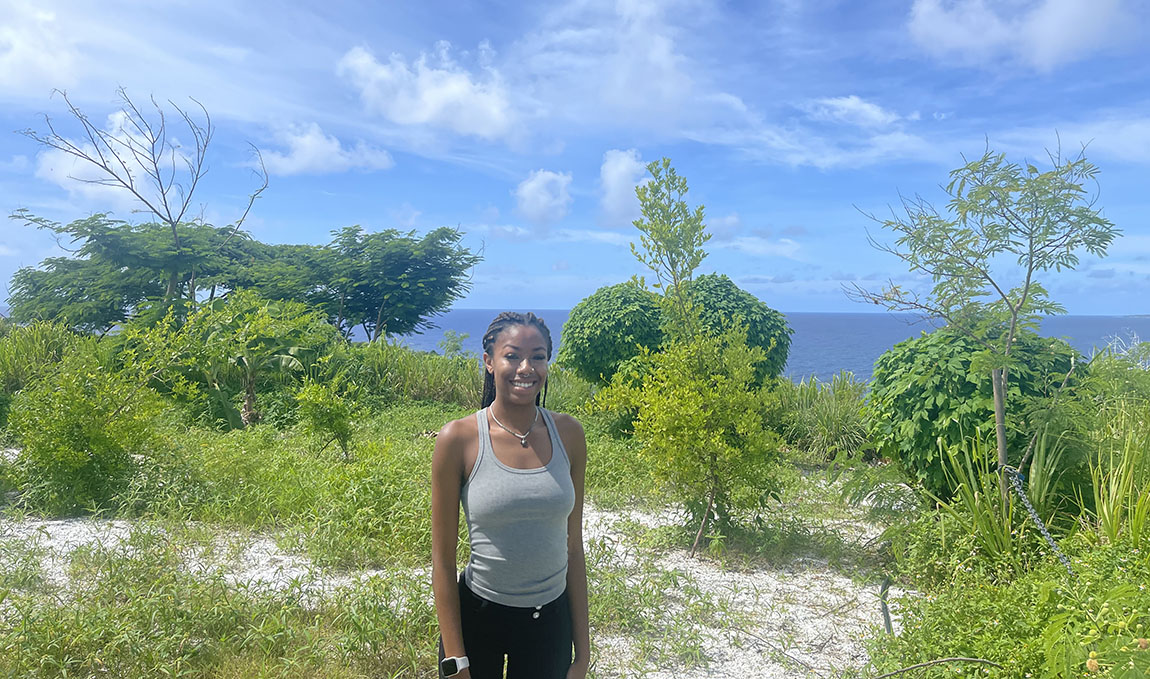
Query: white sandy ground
[805,618]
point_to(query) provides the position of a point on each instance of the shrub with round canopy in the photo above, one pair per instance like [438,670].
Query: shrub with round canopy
[720,301]
[929,390]
[607,328]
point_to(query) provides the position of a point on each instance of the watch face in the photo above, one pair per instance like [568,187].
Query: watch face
[449,667]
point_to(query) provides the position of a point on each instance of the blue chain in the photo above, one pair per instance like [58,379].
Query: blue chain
[1016,479]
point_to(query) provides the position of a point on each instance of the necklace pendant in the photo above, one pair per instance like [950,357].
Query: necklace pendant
[523,442]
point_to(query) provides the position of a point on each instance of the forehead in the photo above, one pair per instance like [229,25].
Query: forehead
[525,337]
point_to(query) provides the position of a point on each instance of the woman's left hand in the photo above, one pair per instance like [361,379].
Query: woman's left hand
[578,670]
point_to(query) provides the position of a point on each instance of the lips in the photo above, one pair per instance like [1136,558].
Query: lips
[528,384]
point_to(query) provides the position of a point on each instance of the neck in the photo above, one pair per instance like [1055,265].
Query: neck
[514,415]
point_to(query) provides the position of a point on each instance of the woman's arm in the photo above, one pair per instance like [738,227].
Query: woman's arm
[575,443]
[446,480]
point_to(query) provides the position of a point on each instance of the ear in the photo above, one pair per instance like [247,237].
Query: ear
[487,363]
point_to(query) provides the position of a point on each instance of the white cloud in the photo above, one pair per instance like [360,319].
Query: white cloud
[724,228]
[543,197]
[619,64]
[6,251]
[406,215]
[433,90]
[1121,137]
[35,55]
[1041,33]
[851,110]
[762,247]
[311,151]
[84,181]
[619,174]
[590,236]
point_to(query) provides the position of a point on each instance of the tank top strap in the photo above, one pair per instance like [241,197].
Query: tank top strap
[556,442]
[484,441]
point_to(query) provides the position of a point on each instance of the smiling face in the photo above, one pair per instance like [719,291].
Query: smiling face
[518,364]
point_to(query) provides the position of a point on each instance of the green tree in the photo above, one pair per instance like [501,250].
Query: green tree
[671,237]
[697,406]
[699,417]
[139,156]
[1008,225]
[119,266]
[88,295]
[390,282]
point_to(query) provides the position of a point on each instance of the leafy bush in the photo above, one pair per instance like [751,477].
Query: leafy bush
[720,302]
[1040,623]
[928,389]
[78,431]
[607,328]
[700,424]
[238,346]
[824,419]
[325,412]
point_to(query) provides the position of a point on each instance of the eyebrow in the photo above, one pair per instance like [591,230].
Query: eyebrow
[540,347]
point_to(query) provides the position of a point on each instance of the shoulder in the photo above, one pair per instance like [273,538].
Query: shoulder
[458,430]
[453,438]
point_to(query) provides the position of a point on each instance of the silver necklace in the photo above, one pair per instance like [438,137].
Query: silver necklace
[522,438]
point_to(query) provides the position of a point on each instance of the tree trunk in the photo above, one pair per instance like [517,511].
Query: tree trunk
[379,328]
[173,287]
[998,382]
[249,414]
[706,516]
[212,294]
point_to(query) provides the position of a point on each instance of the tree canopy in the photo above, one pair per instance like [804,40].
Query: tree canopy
[386,282]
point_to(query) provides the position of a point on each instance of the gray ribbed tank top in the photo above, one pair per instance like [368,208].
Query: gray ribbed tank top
[517,521]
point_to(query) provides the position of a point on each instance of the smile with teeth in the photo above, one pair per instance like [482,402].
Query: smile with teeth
[523,384]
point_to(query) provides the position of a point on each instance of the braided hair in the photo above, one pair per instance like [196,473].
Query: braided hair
[501,322]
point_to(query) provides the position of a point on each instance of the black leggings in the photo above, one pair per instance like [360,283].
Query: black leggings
[536,641]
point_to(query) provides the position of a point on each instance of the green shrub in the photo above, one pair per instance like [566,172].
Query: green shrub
[824,419]
[325,412]
[607,328]
[1040,623]
[241,346]
[720,302]
[699,421]
[925,390]
[78,431]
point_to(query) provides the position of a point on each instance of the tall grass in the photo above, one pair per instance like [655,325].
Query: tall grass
[825,419]
[396,373]
[28,351]
[1120,473]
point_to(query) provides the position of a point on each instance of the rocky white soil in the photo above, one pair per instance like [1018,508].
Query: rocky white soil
[803,618]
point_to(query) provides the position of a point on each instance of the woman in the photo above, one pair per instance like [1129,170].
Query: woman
[518,471]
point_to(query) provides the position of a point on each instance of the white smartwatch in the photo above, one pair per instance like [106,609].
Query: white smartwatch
[453,666]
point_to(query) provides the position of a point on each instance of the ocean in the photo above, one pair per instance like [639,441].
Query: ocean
[823,344]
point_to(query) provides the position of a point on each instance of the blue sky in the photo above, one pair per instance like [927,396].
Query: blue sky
[527,125]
